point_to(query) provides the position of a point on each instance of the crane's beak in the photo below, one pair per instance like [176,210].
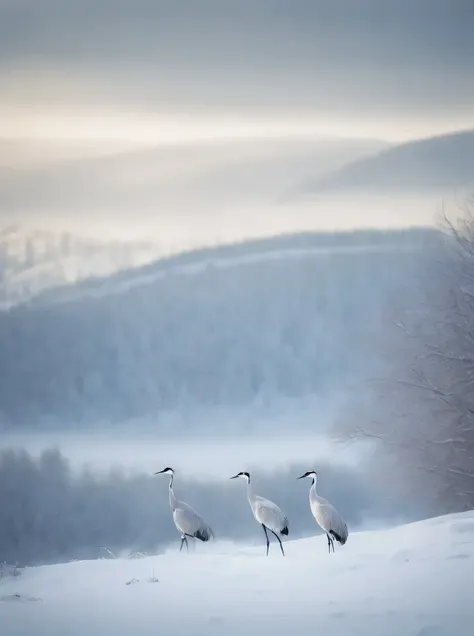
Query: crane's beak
[302,476]
[160,472]
[234,477]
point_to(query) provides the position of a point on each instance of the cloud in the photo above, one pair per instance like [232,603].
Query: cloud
[342,58]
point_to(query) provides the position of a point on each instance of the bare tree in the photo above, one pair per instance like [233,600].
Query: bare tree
[420,415]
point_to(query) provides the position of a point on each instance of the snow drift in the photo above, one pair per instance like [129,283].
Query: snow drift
[414,579]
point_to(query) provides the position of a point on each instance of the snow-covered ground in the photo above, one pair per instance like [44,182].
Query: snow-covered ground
[415,579]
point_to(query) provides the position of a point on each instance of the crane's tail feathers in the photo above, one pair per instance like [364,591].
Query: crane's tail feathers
[342,538]
[285,528]
[204,534]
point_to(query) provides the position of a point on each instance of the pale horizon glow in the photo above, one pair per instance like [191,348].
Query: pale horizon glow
[162,129]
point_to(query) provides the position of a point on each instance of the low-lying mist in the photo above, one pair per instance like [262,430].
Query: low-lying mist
[202,458]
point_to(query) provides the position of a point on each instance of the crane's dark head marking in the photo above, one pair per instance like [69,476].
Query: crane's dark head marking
[310,473]
[167,470]
[243,475]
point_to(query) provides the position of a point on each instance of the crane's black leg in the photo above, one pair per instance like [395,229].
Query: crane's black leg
[279,541]
[193,542]
[182,541]
[330,543]
[266,537]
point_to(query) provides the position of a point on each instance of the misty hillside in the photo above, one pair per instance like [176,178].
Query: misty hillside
[159,180]
[289,322]
[443,163]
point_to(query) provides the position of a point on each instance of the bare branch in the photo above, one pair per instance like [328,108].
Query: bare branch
[422,412]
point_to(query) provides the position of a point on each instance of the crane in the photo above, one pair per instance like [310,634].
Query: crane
[327,517]
[188,522]
[266,513]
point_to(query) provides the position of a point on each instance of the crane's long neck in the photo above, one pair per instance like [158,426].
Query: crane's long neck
[313,493]
[173,499]
[250,492]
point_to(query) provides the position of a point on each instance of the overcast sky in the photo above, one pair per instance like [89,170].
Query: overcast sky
[145,69]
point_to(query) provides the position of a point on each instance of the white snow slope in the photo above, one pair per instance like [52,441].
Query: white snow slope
[415,579]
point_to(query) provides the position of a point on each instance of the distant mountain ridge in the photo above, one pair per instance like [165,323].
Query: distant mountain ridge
[240,252]
[441,163]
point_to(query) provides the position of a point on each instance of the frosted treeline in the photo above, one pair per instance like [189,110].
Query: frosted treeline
[50,513]
[223,332]
[34,261]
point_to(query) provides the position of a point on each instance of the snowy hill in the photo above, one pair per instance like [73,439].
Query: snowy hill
[437,164]
[412,580]
[234,326]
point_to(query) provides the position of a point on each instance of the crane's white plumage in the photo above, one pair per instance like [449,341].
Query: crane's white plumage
[188,522]
[267,513]
[327,517]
